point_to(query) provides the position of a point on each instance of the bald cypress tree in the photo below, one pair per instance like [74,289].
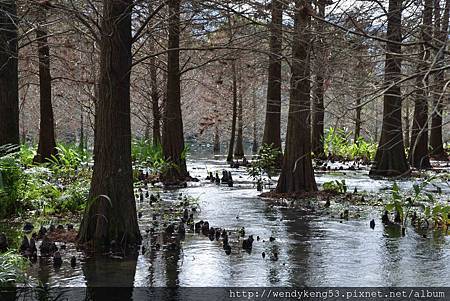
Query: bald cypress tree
[272,126]
[9,77]
[173,136]
[390,158]
[47,144]
[111,211]
[441,23]
[418,152]
[297,173]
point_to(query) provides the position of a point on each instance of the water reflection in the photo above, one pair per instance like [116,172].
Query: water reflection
[312,249]
[115,281]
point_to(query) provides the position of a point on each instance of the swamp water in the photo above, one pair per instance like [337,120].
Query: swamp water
[313,249]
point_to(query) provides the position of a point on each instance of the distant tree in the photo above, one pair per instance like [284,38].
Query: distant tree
[156,126]
[173,136]
[272,126]
[418,151]
[390,158]
[318,108]
[438,91]
[47,145]
[239,149]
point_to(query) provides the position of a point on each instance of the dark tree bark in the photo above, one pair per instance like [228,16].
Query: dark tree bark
[358,118]
[407,125]
[239,149]
[255,125]
[441,36]
[82,139]
[47,145]
[111,211]
[217,119]
[9,76]
[318,111]
[272,126]
[297,174]
[234,117]
[390,159]
[156,126]
[173,139]
[216,147]
[418,152]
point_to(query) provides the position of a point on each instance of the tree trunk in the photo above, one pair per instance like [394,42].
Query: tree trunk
[407,124]
[47,145]
[272,126]
[318,111]
[418,152]
[255,125]
[156,127]
[390,159]
[216,147]
[81,144]
[111,211]
[173,139]
[9,76]
[239,150]
[233,119]
[297,174]
[441,36]
[358,118]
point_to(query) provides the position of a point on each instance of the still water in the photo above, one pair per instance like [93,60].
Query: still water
[313,249]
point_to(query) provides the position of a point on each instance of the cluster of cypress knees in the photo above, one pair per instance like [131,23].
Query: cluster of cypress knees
[48,248]
[227,178]
[218,233]
[237,164]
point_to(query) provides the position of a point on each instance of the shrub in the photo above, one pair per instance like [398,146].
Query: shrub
[57,186]
[145,155]
[12,183]
[265,163]
[338,144]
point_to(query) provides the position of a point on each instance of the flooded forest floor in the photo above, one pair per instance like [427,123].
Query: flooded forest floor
[329,240]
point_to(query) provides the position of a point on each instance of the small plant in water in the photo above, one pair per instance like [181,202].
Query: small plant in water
[403,204]
[264,164]
[335,186]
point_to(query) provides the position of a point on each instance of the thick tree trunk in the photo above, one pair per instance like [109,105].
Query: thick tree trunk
[418,152]
[318,108]
[47,145]
[441,36]
[272,126]
[390,159]
[234,117]
[297,174]
[239,150]
[173,139]
[111,211]
[9,76]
